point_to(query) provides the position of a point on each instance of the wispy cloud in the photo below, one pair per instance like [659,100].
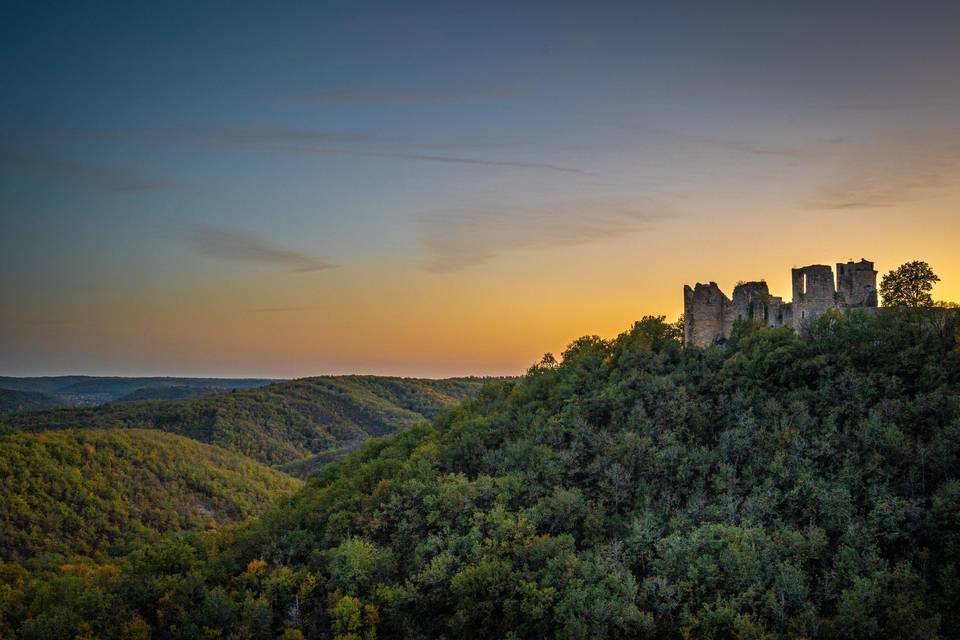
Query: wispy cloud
[479,161]
[109,179]
[257,135]
[890,172]
[350,143]
[736,145]
[742,146]
[375,97]
[270,139]
[43,322]
[457,240]
[238,246]
[138,186]
[893,105]
[281,309]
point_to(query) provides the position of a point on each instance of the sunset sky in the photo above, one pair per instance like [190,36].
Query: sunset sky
[412,188]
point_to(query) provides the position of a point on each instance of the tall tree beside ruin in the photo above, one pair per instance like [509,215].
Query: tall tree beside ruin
[909,285]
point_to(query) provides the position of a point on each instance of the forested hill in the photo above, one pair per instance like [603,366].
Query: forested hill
[92,390]
[778,487]
[20,401]
[101,493]
[286,422]
[173,392]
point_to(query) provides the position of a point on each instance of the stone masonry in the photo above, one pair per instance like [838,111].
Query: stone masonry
[709,314]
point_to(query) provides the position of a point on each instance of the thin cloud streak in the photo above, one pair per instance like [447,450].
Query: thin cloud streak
[275,135]
[866,105]
[730,144]
[281,309]
[40,322]
[145,185]
[323,142]
[375,97]
[454,241]
[477,161]
[759,150]
[305,141]
[891,172]
[417,157]
[238,246]
[117,180]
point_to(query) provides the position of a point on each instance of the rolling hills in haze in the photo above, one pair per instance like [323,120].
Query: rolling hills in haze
[282,423]
[93,390]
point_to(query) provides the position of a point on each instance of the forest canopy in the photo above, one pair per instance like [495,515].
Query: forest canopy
[103,492]
[780,486]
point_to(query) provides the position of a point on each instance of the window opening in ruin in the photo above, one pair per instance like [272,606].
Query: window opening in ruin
[803,283]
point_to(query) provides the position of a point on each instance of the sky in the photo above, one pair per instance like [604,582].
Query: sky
[287,189]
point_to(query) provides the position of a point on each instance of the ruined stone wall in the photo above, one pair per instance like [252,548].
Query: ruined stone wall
[779,313]
[750,302]
[709,315]
[703,311]
[786,315]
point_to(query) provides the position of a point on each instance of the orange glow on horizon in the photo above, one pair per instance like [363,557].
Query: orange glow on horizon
[496,319]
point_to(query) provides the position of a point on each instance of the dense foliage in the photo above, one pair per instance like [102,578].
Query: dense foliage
[280,423]
[173,392]
[19,401]
[910,285]
[99,493]
[777,487]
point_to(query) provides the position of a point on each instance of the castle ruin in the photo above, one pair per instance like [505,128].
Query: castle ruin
[709,314]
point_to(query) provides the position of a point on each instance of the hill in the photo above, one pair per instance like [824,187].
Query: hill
[92,390]
[779,487]
[285,422]
[20,401]
[176,392]
[102,492]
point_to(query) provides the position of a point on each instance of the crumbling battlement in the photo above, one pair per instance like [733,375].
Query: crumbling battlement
[709,314]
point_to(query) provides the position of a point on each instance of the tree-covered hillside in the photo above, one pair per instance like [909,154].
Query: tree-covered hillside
[20,401]
[169,393]
[100,493]
[778,487]
[280,423]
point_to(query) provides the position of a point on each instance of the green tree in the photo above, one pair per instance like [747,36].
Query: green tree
[356,563]
[353,620]
[909,285]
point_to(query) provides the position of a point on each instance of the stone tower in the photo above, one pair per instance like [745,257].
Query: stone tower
[813,294]
[703,308]
[857,283]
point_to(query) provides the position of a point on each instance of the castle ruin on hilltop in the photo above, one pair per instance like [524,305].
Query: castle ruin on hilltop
[709,315]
